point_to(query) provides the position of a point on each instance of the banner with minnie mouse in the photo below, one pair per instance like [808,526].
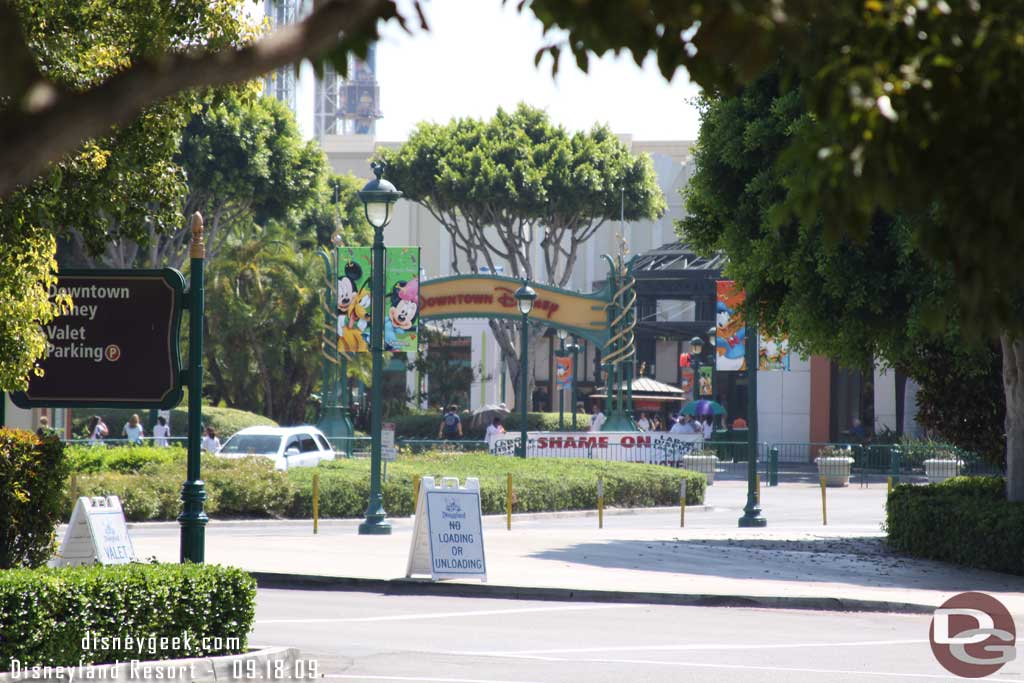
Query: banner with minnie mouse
[401,299]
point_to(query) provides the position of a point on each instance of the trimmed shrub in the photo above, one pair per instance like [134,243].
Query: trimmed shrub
[965,520]
[234,487]
[539,485]
[46,613]
[426,426]
[226,421]
[32,476]
[89,459]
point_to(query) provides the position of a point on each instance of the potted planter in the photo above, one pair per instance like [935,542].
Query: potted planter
[941,469]
[703,462]
[834,465]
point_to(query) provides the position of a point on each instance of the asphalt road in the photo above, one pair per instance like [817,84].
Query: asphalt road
[368,637]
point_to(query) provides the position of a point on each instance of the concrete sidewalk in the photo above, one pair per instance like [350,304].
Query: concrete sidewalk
[638,555]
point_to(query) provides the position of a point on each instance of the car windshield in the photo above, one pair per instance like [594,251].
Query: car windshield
[261,444]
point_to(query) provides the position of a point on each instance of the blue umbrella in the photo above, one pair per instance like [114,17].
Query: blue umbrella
[702,408]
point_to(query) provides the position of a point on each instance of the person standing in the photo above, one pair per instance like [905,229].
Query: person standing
[160,433]
[643,424]
[132,430]
[597,418]
[451,424]
[97,430]
[494,430]
[211,444]
[708,429]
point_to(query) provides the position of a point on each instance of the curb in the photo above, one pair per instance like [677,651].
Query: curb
[252,664]
[355,521]
[471,590]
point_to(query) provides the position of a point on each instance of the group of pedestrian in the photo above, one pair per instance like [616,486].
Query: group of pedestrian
[132,431]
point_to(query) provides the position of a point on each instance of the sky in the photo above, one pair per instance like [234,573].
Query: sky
[479,55]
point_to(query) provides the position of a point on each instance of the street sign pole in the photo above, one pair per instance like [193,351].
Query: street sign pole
[193,493]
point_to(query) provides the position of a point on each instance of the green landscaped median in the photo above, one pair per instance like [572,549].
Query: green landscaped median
[539,484]
[249,487]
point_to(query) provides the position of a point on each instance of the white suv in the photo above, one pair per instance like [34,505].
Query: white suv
[302,446]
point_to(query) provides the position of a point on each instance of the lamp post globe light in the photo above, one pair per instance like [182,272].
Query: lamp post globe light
[378,197]
[525,296]
[562,335]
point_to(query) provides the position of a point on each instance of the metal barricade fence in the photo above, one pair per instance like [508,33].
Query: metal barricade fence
[350,446]
[181,441]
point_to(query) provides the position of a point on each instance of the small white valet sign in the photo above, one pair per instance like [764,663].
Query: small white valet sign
[97,532]
[448,539]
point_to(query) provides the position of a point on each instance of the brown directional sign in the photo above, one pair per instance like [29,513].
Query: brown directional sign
[118,345]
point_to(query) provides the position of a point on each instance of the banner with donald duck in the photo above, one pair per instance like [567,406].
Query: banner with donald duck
[730,330]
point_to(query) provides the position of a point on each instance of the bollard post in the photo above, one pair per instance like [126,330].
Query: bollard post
[773,466]
[508,504]
[415,492]
[824,514]
[316,501]
[600,502]
[757,480]
[682,503]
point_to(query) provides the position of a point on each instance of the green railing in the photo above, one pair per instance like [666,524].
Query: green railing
[442,445]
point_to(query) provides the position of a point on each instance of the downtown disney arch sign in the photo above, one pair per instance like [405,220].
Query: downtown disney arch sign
[605,318]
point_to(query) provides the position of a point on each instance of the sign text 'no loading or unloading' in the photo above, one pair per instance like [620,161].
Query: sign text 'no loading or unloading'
[118,344]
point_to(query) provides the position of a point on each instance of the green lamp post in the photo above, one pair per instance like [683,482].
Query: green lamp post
[696,347]
[752,516]
[562,335]
[378,197]
[525,296]
[574,349]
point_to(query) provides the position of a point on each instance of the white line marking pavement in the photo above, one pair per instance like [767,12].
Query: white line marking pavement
[363,677]
[688,647]
[445,615]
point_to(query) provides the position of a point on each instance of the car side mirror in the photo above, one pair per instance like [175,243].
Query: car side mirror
[291,451]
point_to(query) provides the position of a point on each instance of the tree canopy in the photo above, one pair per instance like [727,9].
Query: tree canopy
[854,300]
[501,186]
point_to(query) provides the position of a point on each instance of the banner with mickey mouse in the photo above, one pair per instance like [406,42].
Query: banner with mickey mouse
[401,298]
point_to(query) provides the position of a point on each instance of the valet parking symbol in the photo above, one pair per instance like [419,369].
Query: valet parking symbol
[112,353]
[973,635]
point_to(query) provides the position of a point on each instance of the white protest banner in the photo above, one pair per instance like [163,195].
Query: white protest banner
[447,539]
[96,533]
[659,448]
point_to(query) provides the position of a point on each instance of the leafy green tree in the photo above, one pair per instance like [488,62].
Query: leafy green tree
[500,186]
[113,187]
[854,300]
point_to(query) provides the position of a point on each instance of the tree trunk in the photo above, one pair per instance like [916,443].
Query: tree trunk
[1013,385]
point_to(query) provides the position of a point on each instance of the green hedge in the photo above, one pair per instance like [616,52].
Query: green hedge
[539,485]
[32,473]
[46,613]
[426,426]
[250,487]
[965,520]
[225,421]
[89,459]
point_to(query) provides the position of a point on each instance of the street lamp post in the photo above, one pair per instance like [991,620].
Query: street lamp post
[696,346]
[377,196]
[562,334]
[752,516]
[574,349]
[525,296]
